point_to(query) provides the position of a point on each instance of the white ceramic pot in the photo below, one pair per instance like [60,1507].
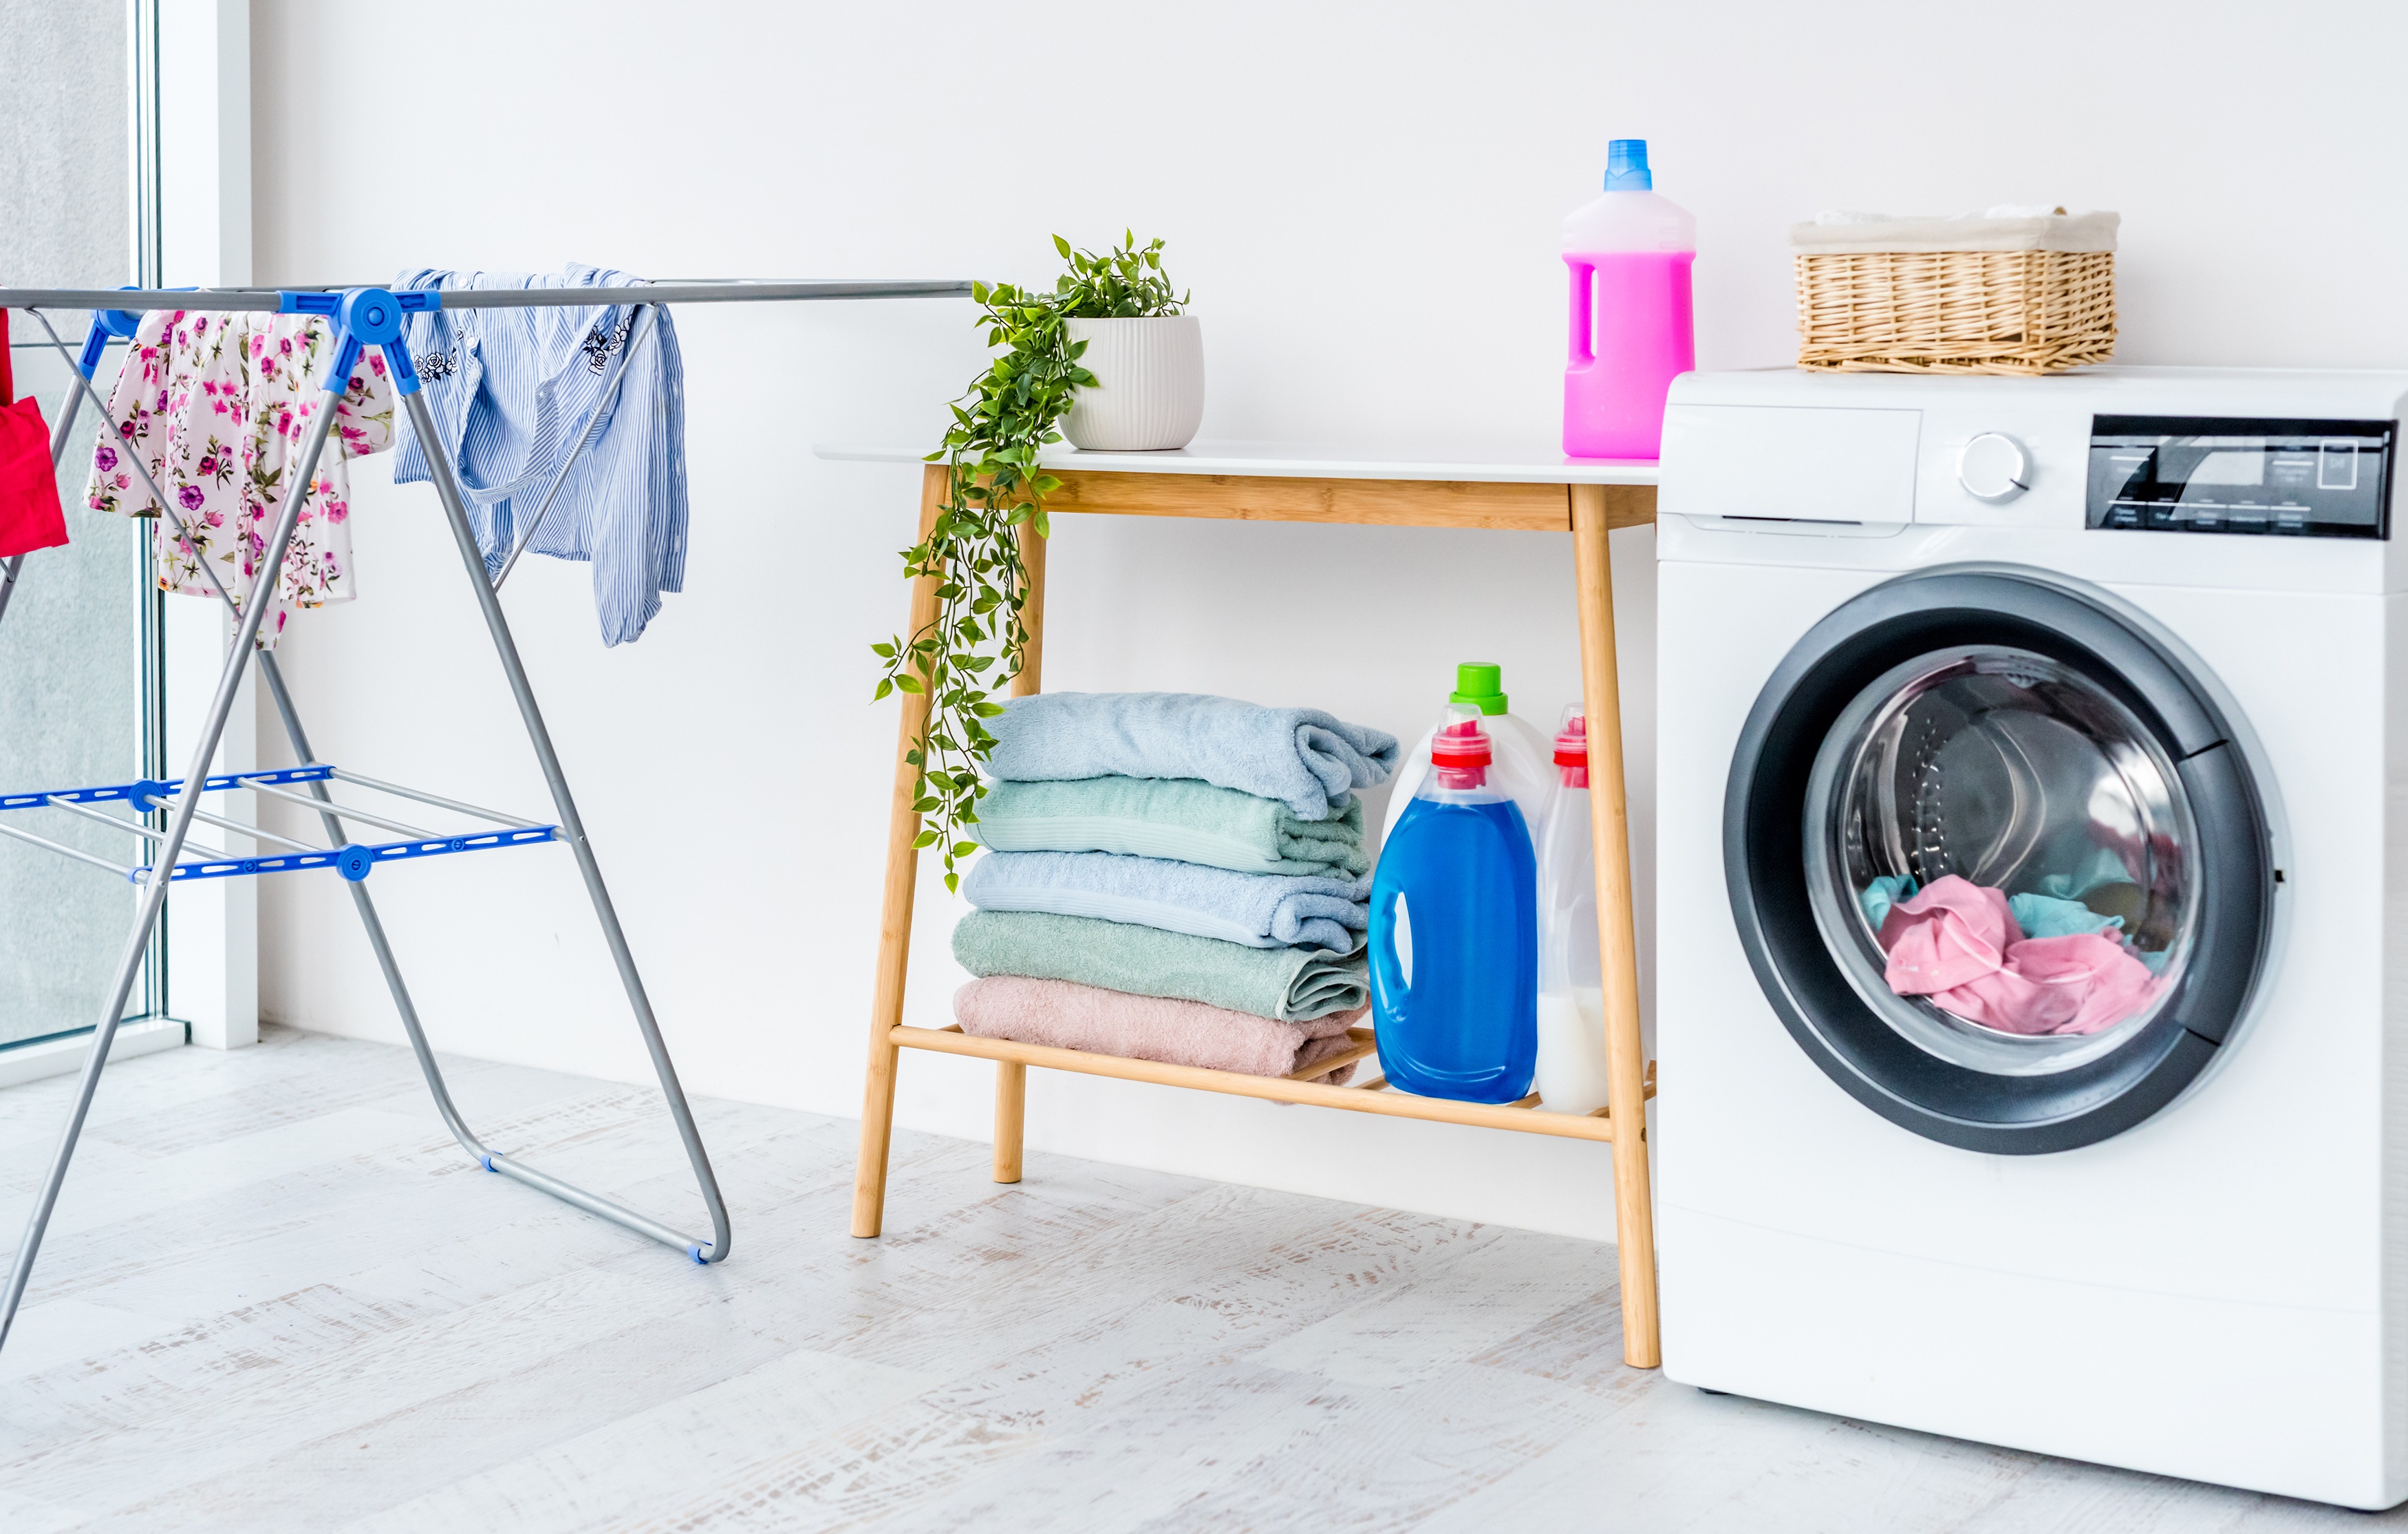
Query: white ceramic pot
[1149,388]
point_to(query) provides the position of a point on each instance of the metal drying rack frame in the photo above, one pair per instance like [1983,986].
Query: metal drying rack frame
[361,317]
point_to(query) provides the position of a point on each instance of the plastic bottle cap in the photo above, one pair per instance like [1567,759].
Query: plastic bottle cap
[1477,685]
[1459,756]
[1467,749]
[1572,748]
[1571,744]
[1626,166]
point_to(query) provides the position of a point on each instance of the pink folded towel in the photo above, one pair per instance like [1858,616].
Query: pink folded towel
[1065,1014]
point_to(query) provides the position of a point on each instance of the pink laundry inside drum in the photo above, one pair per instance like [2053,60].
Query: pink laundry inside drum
[1957,943]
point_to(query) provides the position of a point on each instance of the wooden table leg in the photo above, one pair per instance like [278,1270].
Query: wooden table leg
[895,912]
[1617,938]
[1010,1076]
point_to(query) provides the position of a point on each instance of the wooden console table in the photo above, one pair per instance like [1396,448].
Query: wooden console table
[1280,482]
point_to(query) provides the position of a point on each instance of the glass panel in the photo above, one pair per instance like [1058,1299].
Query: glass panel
[70,664]
[2203,474]
[2003,865]
[70,646]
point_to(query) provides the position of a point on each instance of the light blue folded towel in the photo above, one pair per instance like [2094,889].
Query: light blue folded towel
[1258,909]
[1308,760]
[1181,819]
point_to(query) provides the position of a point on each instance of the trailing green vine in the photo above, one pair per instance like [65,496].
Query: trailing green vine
[977,642]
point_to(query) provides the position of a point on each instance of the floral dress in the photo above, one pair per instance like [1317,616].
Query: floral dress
[220,406]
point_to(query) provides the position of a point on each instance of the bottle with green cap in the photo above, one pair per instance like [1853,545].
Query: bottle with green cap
[1522,766]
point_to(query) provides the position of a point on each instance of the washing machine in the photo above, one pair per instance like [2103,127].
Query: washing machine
[2032,976]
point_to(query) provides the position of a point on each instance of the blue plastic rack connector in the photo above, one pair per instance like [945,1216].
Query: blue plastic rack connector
[367,316]
[373,317]
[140,794]
[95,341]
[123,322]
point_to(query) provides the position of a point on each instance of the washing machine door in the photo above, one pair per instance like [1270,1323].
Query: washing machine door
[1998,860]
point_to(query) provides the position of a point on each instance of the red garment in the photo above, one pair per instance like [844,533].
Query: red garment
[1957,943]
[30,517]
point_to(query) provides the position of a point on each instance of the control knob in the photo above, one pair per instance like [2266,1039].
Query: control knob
[1994,467]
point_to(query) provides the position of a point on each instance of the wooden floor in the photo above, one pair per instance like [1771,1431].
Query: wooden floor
[276,1296]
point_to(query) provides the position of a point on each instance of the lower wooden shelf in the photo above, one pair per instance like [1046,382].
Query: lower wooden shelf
[1521,1117]
[1589,510]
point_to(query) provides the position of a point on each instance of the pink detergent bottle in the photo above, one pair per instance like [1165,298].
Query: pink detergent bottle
[1630,253]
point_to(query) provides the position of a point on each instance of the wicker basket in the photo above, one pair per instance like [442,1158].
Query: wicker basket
[1922,310]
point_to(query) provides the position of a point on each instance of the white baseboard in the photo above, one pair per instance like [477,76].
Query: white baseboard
[66,1056]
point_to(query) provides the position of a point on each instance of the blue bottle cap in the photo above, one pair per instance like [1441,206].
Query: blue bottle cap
[1626,166]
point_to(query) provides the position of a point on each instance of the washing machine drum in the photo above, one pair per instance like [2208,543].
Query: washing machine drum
[1998,861]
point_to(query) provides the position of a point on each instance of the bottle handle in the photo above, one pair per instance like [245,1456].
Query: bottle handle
[1389,991]
[1582,349]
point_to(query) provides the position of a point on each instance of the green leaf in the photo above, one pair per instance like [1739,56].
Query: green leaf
[925,839]
[994,487]
[885,686]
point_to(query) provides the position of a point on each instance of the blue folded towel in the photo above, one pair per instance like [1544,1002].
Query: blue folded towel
[1308,760]
[1258,909]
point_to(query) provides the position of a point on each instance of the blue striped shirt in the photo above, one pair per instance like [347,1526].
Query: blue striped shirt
[511,390]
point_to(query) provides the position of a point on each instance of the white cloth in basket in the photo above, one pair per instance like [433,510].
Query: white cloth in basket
[2005,228]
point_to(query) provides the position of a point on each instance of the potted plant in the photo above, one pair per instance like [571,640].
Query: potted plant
[1145,354]
[1152,392]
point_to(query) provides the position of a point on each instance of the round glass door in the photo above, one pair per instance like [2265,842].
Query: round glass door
[2002,865]
[1998,860]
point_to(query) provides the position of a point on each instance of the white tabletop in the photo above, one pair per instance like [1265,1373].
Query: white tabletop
[1317,461]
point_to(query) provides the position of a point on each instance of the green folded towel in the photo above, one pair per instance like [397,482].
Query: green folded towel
[1286,984]
[1178,818]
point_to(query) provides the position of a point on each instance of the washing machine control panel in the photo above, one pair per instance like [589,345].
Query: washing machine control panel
[2234,474]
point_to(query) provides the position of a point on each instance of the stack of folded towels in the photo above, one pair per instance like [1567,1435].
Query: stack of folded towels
[1172,877]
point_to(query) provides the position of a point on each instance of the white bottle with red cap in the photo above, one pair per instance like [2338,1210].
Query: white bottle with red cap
[1571,1076]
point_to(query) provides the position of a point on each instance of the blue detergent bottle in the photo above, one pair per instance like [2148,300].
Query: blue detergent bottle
[1454,931]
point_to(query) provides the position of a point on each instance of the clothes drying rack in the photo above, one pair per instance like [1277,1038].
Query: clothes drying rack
[361,317]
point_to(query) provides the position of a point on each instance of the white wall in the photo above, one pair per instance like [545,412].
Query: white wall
[1364,199]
